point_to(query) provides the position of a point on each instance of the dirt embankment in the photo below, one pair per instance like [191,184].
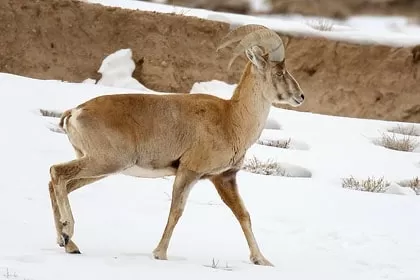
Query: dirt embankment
[64,39]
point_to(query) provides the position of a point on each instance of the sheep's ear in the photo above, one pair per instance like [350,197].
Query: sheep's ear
[255,55]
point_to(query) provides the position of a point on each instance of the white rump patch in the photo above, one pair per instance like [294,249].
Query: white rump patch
[137,171]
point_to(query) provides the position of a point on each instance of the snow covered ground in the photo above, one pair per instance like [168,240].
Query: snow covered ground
[306,224]
[308,227]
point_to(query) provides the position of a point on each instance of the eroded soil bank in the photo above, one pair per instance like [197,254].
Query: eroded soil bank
[67,40]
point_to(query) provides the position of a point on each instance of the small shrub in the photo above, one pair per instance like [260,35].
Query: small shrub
[268,167]
[413,184]
[369,185]
[215,265]
[9,275]
[283,144]
[321,24]
[406,143]
[405,130]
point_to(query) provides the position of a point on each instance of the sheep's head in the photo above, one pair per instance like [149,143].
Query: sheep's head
[265,50]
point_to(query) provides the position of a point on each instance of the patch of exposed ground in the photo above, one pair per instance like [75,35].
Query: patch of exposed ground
[67,40]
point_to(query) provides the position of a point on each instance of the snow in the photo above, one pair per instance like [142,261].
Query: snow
[397,189]
[116,71]
[306,224]
[308,227]
[391,31]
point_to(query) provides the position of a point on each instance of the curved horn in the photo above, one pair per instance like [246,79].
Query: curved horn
[266,38]
[237,34]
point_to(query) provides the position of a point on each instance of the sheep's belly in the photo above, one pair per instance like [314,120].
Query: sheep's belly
[137,171]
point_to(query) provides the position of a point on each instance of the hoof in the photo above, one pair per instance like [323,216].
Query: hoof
[60,241]
[76,252]
[158,255]
[71,248]
[65,239]
[261,261]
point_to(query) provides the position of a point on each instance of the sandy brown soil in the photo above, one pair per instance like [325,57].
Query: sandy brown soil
[230,6]
[64,39]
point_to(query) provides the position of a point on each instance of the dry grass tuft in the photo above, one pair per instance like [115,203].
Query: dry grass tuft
[215,265]
[50,113]
[268,167]
[406,143]
[321,24]
[413,184]
[283,144]
[369,185]
[405,130]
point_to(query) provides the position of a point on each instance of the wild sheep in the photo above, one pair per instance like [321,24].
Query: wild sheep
[190,136]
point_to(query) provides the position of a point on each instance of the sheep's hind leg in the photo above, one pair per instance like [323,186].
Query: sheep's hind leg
[183,183]
[82,172]
[227,188]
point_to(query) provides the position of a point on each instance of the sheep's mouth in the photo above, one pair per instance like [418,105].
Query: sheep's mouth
[297,102]
[289,101]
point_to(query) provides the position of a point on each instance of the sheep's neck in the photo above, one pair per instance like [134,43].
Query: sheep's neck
[249,108]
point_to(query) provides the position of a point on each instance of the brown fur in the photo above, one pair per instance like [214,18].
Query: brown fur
[193,137]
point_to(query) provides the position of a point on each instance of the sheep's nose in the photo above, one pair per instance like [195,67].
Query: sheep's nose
[302,96]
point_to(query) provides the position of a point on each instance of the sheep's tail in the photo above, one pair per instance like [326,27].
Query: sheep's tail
[63,118]
[60,128]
